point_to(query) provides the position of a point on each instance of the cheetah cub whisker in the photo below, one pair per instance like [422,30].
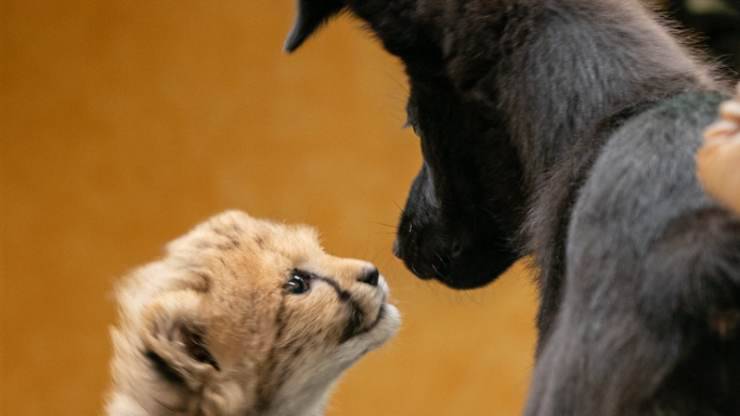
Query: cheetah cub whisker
[243,317]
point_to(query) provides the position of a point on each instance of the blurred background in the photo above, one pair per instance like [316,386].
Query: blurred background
[125,123]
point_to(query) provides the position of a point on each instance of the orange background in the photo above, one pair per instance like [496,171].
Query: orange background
[125,123]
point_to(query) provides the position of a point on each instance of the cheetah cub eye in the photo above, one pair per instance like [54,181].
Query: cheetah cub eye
[299,283]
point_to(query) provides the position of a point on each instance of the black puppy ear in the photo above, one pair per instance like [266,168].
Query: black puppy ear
[311,15]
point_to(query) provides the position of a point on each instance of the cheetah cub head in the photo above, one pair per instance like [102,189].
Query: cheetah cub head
[243,317]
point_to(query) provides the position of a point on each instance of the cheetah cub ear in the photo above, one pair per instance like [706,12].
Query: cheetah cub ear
[160,358]
[173,340]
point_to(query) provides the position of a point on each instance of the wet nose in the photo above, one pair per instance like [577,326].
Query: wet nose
[370,276]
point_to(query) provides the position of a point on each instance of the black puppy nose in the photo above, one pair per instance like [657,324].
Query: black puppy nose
[370,277]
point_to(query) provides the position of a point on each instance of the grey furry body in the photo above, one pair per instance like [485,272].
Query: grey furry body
[629,337]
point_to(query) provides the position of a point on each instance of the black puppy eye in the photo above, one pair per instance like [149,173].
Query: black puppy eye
[298,283]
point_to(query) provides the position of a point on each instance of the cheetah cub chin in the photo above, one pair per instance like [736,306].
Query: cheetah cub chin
[243,317]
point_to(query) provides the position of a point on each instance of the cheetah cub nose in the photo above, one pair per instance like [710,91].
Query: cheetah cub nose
[370,277]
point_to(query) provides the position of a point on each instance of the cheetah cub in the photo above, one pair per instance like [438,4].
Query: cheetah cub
[243,317]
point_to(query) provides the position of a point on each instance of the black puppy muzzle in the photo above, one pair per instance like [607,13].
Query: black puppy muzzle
[422,242]
[423,250]
[458,247]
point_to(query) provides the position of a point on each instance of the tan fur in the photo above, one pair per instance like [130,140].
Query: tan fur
[718,161]
[277,353]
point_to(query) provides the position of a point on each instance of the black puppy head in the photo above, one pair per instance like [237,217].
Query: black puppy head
[464,207]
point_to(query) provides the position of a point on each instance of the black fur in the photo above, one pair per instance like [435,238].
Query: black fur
[566,129]
[718,27]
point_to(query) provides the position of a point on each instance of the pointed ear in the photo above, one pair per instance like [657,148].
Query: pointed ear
[311,15]
[174,340]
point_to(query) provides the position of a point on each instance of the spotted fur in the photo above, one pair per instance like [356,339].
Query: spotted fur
[210,329]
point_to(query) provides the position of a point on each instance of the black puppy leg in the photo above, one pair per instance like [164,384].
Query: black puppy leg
[587,369]
[669,347]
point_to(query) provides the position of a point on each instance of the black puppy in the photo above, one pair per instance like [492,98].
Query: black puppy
[566,129]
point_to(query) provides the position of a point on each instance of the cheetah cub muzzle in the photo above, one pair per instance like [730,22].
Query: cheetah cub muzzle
[243,317]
